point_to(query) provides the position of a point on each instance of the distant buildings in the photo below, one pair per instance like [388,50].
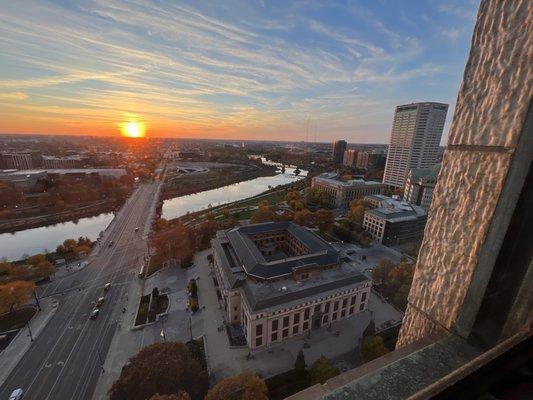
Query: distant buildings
[279,280]
[366,160]
[393,222]
[415,137]
[420,184]
[341,192]
[24,180]
[21,160]
[349,158]
[52,162]
[339,147]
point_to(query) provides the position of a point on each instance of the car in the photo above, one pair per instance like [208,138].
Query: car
[100,301]
[16,395]
[95,313]
[110,244]
[137,229]
[107,286]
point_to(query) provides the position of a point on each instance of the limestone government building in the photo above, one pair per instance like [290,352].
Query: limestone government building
[278,280]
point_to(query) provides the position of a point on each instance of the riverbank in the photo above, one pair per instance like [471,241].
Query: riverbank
[91,210]
[214,178]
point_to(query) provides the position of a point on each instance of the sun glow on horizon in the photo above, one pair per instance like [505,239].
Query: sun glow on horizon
[132,129]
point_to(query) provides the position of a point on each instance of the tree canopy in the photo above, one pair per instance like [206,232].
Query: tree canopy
[163,368]
[263,213]
[15,294]
[322,370]
[241,387]
[181,395]
[372,348]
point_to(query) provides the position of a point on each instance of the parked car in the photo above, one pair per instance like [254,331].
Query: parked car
[137,229]
[107,286]
[16,395]
[95,313]
[110,244]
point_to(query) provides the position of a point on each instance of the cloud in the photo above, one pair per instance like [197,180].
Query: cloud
[13,96]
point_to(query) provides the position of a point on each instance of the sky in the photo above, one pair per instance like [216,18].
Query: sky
[258,69]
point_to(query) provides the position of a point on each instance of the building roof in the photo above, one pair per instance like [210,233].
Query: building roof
[249,257]
[334,179]
[241,260]
[395,210]
[425,173]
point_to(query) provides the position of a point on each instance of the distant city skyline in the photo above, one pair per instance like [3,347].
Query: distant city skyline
[256,70]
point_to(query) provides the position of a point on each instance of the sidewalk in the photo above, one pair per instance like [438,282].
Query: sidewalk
[127,342]
[12,354]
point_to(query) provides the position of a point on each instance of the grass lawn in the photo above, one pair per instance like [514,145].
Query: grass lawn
[272,198]
[17,320]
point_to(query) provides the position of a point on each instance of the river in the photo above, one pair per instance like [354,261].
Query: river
[13,246]
[179,206]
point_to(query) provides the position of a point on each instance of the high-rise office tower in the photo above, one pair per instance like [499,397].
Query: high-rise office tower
[350,157]
[415,139]
[339,148]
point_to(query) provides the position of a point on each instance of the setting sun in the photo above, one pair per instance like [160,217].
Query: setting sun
[132,129]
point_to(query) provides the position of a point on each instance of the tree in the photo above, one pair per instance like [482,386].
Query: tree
[356,211]
[370,329]
[372,348]
[14,295]
[305,218]
[6,269]
[299,364]
[241,387]
[263,213]
[163,368]
[400,298]
[322,370]
[36,259]
[324,219]
[181,395]
[381,270]
[317,197]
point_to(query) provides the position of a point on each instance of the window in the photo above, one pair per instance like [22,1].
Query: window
[326,319]
[326,308]
[259,330]
[285,333]
[363,297]
[258,341]
[295,329]
[274,336]
[306,314]
[306,326]
[275,325]
[344,303]
[343,313]
[334,317]
[351,310]
[286,321]
[335,306]
[361,307]
[352,301]
[296,318]
[235,308]
[317,308]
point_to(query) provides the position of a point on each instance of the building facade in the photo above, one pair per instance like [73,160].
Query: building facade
[51,162]
[366,160]
[340,192]
[350,158]
[393,222]
[278,280]
[420,184]
[415,138]
[21,160]
[339,147]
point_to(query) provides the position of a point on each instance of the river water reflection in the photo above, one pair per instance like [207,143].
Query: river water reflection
[31,241]
[179,206]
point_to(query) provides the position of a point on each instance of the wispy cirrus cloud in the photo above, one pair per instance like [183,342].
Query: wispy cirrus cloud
[219,69]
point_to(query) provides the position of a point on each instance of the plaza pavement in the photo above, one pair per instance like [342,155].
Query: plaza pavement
[127,342]
[338,344]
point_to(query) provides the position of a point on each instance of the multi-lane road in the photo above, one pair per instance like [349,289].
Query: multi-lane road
[65,360]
